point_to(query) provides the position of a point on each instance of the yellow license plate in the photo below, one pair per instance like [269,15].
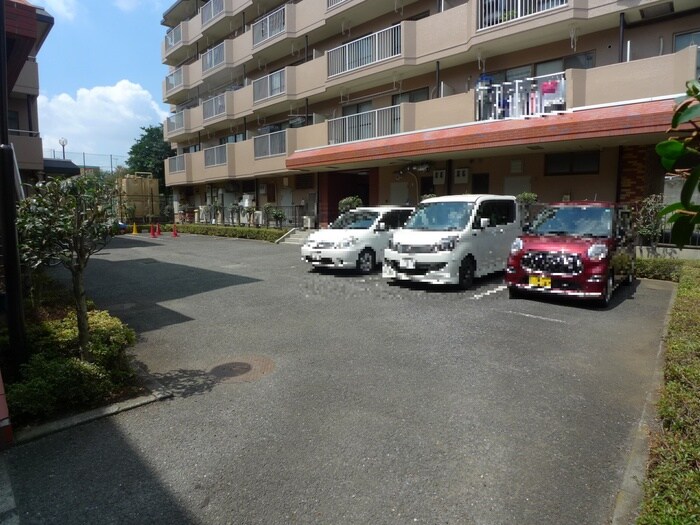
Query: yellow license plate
[540,282]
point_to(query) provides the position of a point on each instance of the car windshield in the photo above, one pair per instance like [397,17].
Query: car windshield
[593,221]
[440,216]
[355,220]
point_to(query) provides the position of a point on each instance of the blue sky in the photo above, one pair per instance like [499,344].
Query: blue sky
[100,75]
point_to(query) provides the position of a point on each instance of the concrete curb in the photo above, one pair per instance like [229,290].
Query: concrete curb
[631,493]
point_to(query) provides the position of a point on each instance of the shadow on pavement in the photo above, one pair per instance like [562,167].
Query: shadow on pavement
[186,383]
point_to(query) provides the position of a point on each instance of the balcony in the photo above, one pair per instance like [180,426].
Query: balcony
[173,38]
[521,98]
[182,125]
[211,10]
[270,145]
[269,86]
[214,107]
[28,149]
[213,58]
[367,125]
[330,4]
[494,12]
[28,80]
[178,170]
[365,51]
[269,26]
[175,123]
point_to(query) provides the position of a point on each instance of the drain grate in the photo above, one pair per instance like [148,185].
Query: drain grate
[244,370]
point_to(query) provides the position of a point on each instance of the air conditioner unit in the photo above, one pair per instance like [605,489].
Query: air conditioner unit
[461,176]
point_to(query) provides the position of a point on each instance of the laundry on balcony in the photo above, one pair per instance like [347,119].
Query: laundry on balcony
[550,86]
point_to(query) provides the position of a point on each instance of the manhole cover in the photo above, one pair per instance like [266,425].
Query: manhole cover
[244,370]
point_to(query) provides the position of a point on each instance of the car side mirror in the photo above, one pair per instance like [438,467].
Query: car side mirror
[484,222]
[527,227]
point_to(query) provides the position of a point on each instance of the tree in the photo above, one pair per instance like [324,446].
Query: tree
[348,203]
[685,214]
[67,220]
[149,152]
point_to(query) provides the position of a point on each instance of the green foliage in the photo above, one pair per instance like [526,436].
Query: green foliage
[427,196]
[685,214]
[647,221]
[659,268]
[672,488]
[148,153]
[526,197]
[348,203]
[241,232]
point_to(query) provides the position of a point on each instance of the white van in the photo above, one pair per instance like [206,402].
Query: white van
[452,239]
[356,239]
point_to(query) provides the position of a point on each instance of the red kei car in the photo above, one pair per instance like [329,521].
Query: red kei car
[576,249]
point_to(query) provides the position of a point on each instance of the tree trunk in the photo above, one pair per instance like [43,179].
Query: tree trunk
[81,311]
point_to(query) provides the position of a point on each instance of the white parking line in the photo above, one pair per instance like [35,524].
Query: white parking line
[490,292]
[535,317]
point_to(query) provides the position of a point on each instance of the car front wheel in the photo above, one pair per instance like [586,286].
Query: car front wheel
[366,261]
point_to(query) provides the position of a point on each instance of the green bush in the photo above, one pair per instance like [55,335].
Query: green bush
[239,232]
[55,385]
[659,268]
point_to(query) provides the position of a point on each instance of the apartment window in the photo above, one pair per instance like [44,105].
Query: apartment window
[230,139]
[685,40]
[13,119]
[572,163]
[354,109]
[192,149]
[417,95]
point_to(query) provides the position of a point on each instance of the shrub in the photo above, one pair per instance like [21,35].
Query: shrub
[348,203]
[658,268]
[240,232]
[647,221]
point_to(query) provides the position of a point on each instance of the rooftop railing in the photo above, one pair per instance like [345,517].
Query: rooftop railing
[365,51]
[367,125]
[269,26]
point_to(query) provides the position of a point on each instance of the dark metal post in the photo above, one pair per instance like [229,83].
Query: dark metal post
[8,218]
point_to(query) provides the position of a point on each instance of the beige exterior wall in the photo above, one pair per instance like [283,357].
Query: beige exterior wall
[28,81]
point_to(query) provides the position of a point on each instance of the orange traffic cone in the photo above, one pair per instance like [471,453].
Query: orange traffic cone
[153,231]
[175,230]
[158,229]
[134,231]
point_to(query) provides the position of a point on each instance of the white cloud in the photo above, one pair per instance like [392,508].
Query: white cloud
[104,120]
[59,8]
[127,5]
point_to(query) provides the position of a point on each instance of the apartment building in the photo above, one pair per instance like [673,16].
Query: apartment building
[302,103]
[26,28]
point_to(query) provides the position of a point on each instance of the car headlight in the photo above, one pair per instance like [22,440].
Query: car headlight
[445,245]
[597,252]
[346,243]
[516,246]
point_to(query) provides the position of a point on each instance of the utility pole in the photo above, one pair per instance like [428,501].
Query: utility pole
[8,219]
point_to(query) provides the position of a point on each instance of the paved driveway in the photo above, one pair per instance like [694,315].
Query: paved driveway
[304,397]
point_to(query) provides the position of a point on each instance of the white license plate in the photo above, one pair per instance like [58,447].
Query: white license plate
[408,264]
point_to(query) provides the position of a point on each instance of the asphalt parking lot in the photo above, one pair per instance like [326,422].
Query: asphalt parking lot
[329,397]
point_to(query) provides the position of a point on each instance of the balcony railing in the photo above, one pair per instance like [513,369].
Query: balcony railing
[174,79]
[213,57]
[176,163]
[270,26]
[368,125]
[173,37]
[214,106]
[270,145]
[332,3]
[365,51]
[211,10]
[215,156]
[520,98]
[269,86]
[175,122]
[494,12]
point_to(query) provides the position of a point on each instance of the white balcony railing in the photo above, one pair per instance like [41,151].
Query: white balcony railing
[176,164]
[211,10]
[270,85]
[214,106]
[176,122]
[173,37]
[494,12]
[368,125]
[332,3]
[213,57]
[215,156]
[365,51]
[270,26]
[270,145]
[174,79]
[521,98]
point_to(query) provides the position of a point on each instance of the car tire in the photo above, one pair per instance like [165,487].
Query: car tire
[366,261]
[607,292]
[466,273]
[514,293]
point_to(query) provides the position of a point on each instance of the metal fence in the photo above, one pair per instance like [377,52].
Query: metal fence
[103,162]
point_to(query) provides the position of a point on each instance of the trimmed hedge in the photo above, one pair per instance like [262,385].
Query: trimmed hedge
[659,268]
[239,232]
[672,487]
